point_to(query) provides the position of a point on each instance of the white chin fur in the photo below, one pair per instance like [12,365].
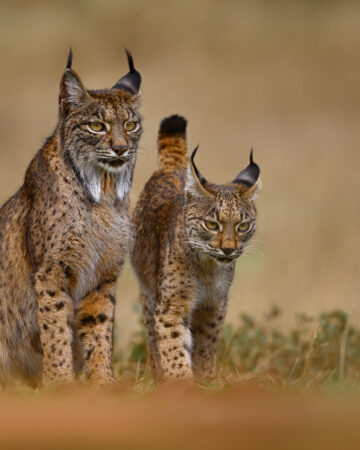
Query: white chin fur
[91,177]
[124,179]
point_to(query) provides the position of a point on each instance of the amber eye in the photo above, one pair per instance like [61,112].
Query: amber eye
[211,225]
[130,126]
[98,127]
[242,227]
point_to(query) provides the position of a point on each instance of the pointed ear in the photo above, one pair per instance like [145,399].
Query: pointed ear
[132,80]
[195,182]
[72,91]
[248,179]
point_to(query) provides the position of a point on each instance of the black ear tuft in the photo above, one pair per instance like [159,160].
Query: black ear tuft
[173,125]
[196,184]
[250,175]
[193,154]
[251,155]
[201,179]
[69,60]
[130,61]
[132,80]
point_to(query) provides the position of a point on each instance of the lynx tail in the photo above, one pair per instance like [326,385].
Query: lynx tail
[172,143]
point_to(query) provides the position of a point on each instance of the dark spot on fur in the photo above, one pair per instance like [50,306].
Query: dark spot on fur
[88,320]
[102,317]
[89,353]
[59,305]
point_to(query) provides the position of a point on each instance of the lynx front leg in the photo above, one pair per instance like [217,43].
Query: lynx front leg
[94,323]
[206,326]
[54,316]
[173,335]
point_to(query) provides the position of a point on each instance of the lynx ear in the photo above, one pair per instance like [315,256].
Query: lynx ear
[195,182]
[132,80]
[249,178]
[72,91]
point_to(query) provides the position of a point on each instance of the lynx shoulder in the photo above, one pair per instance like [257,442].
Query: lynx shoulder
[188,234]
[64,236]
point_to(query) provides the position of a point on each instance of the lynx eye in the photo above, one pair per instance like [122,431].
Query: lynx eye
[97,127]
[130,126]
[211,225]
[242,227]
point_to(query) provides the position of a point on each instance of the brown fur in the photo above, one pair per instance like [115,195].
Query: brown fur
[172,144]
[63,239]
[185,271]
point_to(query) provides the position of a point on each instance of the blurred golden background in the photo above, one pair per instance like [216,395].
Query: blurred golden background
[280,76]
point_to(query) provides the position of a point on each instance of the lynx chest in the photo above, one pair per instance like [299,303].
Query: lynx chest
[101,247]
[212,283]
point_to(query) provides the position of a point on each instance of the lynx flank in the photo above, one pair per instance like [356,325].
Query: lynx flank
[64,236]
[188,234]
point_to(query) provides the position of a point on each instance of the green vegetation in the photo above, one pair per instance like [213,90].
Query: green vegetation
[321,352]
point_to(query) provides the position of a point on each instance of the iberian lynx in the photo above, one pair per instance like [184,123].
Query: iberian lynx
[64,236]
[188,234]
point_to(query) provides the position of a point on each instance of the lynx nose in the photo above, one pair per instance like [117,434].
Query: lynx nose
[227,251]
[120,149]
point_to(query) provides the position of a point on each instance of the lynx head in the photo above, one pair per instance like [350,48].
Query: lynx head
[220,219]
[100,130]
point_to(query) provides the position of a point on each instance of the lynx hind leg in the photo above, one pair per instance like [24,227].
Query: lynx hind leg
[153,356]
[206,327]
[94,320]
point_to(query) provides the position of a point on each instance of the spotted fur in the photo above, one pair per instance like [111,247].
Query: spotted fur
[64,236]
[184,268]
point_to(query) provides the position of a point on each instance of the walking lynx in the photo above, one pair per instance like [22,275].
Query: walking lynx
[188,234]
[64,236]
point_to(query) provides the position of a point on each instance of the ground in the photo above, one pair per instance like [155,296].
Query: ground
[179,418]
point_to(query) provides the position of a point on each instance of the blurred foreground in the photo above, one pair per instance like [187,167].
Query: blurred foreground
[179,418]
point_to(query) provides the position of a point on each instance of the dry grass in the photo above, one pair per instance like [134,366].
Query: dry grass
[318,353]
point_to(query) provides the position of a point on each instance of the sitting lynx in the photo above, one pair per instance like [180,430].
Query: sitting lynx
[188,234]
[64,236]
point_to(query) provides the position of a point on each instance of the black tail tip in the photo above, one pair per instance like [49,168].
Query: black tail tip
[173,125]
